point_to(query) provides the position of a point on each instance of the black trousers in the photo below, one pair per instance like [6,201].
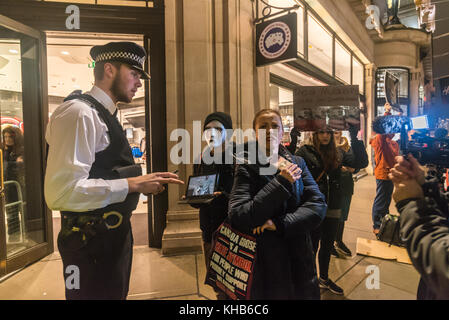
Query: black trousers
[324,236]
[100,269]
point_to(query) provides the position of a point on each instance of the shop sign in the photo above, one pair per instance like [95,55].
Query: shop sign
[276,40]
[318,107]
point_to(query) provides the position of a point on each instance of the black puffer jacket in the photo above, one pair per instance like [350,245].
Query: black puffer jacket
[214,213]
[425,231]
[285,265]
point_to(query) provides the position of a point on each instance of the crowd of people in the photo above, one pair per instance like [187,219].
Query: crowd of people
[297,214]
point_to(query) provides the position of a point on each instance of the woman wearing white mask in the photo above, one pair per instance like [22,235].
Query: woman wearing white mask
[216,158]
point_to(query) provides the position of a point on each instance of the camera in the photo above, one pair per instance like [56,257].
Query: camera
[426,149]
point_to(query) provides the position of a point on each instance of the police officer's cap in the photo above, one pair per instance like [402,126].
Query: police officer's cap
[126,52]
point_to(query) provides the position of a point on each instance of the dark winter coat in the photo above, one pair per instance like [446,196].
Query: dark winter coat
[285,264]
[213,214]
[330,183]
[425,232]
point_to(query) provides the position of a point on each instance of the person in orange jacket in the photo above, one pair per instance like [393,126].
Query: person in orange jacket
[385,151]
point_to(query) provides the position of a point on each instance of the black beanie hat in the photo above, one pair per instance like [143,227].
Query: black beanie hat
[222,117]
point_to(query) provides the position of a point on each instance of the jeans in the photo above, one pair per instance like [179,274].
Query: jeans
[382,201]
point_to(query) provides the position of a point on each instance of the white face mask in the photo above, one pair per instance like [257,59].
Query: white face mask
[213,136]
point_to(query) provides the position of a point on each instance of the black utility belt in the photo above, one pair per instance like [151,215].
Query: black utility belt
[79,228]
[77,221]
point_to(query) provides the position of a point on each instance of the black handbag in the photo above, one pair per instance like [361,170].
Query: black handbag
[389,230]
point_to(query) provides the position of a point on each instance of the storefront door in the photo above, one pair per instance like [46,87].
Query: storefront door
[99,19]
[24,219]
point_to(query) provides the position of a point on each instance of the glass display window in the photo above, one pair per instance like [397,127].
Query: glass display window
[342,63]
[281,99]
[358,72]
[402,75]
[320,45]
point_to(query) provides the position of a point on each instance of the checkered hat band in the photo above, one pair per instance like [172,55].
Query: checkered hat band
[120,54]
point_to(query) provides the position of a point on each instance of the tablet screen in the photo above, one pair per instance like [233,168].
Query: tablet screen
[201,185]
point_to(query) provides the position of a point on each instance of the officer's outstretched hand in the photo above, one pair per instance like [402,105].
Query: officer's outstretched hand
[152,183]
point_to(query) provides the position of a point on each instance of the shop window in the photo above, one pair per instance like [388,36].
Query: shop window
[281,99]
[403,76]
[320,45]
[299,12]
[342,63]
[358,75]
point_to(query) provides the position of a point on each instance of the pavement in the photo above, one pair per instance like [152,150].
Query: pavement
[181,277]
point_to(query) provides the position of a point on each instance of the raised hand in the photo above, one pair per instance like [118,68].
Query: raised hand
[289,171]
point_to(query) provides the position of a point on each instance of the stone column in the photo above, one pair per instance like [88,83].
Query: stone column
[190,97]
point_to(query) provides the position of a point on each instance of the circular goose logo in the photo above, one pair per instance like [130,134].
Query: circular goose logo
[274,40]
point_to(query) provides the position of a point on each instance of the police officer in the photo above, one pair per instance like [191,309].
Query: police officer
[92,179]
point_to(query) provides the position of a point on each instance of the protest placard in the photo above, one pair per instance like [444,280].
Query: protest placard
[232,263]
[334,106]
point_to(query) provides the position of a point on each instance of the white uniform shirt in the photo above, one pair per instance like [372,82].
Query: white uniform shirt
[75,133]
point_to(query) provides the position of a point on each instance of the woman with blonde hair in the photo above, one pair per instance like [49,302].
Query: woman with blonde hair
[347,188]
